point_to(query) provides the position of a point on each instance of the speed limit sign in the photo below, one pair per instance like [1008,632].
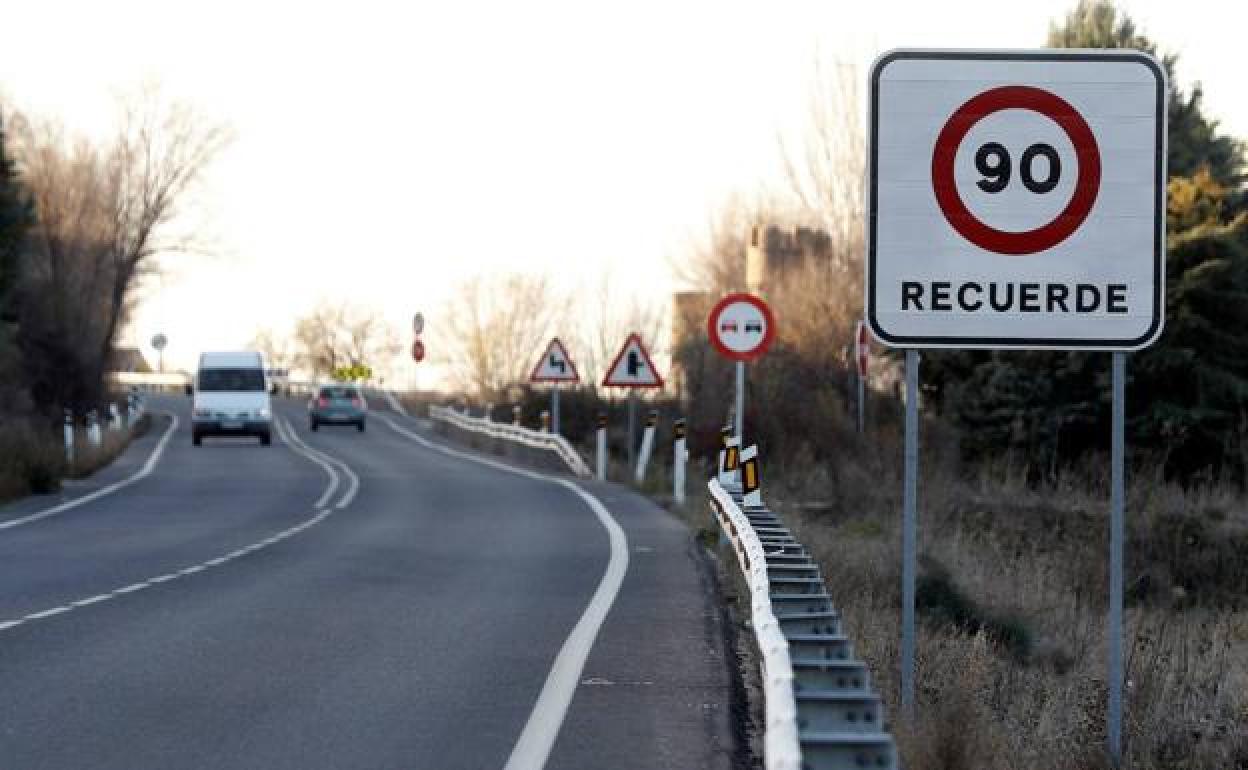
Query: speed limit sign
[1016,199]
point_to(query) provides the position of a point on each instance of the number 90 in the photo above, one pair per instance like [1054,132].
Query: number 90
[993,161]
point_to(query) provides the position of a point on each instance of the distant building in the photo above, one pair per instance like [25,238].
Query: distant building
[771,252]
[129,360]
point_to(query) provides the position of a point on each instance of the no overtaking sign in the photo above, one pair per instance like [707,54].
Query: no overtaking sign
[1016,199]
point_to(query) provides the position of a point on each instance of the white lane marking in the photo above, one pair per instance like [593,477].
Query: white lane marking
[48,613]
[320,516]
[294,447]
[354,487]
[93,600]
[394,403]
[143,472]
[536,740]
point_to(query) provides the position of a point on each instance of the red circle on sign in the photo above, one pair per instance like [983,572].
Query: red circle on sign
[418,351]
[769,332]
[1054,108]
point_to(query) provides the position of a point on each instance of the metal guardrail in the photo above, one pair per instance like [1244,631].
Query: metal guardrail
[531,438]
[820,710]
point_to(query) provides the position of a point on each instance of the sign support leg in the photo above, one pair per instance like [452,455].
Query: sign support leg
[632,428]
[909,533]
[554,410]
[862,400]
[1116,537]
[739,417]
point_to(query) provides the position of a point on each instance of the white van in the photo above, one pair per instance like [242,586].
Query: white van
[231,397]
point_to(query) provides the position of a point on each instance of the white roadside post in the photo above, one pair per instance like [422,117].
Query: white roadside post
[515,415]
[647,446]
[489,413]
[680,457]
[999,218]
[730,461]
[93,428]
[751,479]
[69,436]
[545,418]
[601,456]
[741,327]
[114,418]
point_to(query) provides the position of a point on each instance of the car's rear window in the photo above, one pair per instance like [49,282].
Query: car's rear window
[248,380]
[339,392]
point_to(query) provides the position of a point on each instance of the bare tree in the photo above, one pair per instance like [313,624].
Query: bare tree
[493,330]
[335,335]
[103,214]
[278,349]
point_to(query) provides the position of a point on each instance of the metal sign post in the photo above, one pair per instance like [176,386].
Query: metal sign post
[909,532]
[998,219]
[1116,538]
[632,369]
[738,417]
[555,367]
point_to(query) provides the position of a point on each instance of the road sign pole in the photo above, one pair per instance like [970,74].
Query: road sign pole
[554,409]
[632,426]
[1116,537]
[739,418]
[909,532]
[862,398]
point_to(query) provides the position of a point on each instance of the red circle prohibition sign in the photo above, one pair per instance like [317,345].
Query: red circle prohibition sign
[768,332]
[1054,108]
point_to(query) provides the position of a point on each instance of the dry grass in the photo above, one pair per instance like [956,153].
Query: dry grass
[1012,649]
[32,457]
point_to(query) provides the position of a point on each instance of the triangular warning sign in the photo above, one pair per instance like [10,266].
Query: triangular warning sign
[555,365]
[632,367]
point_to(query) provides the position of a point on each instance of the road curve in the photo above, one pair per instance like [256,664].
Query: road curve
[412,627]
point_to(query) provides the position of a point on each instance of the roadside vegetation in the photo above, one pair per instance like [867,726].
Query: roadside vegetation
[82,224]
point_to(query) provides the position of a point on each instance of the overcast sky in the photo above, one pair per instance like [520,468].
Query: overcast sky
[387,150]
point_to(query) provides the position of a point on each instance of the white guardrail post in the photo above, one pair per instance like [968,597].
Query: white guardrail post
[69,436]
[647,446]
[820,711]
[680,457]
[535,439]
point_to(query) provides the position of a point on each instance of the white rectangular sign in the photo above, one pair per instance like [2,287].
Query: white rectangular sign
[1016,199]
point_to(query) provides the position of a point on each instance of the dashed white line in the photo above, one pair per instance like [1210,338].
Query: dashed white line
[320,458]
[47,613]
[93,600]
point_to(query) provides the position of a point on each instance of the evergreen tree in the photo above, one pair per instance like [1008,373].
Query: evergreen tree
[1187,396]
[15,219]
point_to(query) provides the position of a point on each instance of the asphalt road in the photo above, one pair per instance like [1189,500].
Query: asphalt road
[382,604]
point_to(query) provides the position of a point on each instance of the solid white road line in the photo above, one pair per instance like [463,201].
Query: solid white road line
[143,472]
[536,740]
[352,478]
[395,404]
[288,437]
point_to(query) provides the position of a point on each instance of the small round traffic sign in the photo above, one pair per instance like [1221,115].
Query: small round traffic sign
[418,324]
[741,327]
[994,161]
[159,341]
[418,351]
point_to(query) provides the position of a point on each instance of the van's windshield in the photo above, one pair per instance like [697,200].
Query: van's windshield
[247,380]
